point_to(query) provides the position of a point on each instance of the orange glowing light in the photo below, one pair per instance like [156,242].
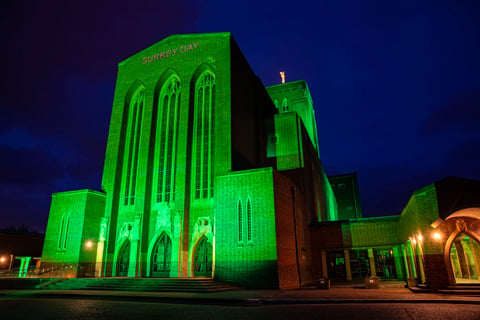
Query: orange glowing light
[2,259]
[89,244]
[437,236]
[282,75]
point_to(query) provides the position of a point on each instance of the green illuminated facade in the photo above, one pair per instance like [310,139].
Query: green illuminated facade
[210,174]
[205,174]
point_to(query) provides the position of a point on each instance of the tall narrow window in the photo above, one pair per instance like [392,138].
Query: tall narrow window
[132,145]
[167,138]
[240,220]
[249,220]
[63,232]
[203,174]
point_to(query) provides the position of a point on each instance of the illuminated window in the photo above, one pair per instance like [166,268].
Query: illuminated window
[203,136]
[285,105]
[166,140]
[240,220]
[63,232]
[132,145]
[249,220]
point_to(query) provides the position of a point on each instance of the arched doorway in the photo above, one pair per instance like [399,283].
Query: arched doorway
[162,256]
[202,261]
[465,258]
[123,260]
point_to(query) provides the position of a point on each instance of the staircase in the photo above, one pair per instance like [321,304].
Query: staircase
[421,288]
[197,285]
[463,289]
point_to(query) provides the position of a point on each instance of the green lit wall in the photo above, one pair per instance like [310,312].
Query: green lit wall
[295,97]
[331,202]
[188,58]
[195,139]
[289,148]
[73,220]
[345,188]
[371,232]
[417,216]
[248,261]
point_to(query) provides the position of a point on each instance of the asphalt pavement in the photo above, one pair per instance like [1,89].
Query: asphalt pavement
[258,297]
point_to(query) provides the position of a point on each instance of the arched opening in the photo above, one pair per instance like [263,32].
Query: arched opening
[162,257]
[202,261]
[462,246]
[465,258]
[123,260]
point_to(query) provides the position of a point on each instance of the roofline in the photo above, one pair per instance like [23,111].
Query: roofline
[289,83]
[81,191]
[173,36]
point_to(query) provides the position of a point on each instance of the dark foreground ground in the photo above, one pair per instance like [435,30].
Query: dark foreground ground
[87,308]
[336,303]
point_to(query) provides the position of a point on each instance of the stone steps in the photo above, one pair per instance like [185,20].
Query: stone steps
[460,289]
[142,284]
[470,289]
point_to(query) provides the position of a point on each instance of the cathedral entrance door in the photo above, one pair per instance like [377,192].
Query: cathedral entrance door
[162,256]
[203,259]
[123,260]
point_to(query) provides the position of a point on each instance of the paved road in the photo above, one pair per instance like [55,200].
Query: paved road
[46,308]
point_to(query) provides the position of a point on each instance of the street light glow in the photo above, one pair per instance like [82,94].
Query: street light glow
[89,244]
[437,236]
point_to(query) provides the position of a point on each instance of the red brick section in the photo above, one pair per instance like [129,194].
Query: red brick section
[288,271]
[325,236]
[436,275]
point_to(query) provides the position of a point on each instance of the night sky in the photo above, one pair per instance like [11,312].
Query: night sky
[395,84]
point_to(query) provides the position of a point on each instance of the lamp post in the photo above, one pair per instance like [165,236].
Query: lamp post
[11,261]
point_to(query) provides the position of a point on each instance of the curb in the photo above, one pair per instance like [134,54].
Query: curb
[228,301]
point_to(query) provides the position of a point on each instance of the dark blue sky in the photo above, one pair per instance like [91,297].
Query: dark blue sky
[396,86]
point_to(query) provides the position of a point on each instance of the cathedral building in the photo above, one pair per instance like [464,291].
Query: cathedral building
[210,174]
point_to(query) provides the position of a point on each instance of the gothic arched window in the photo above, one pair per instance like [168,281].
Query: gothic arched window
[132,145]
[249,220]
[204,101]
[166,140]
[240,220]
